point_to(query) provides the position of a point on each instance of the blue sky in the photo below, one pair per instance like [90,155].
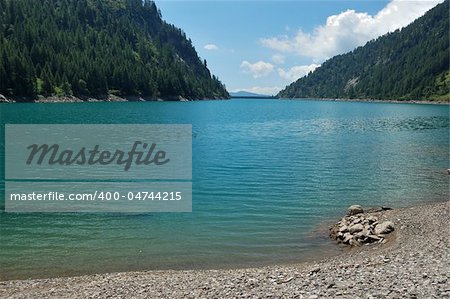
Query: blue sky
[262,46]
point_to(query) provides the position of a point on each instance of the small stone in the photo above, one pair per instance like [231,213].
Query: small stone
[384,228]
[373,238]
[347,238]
[357,220]
[360,235]
[354,242]
[356,228]
[355,209]
[372,219]
[343,229]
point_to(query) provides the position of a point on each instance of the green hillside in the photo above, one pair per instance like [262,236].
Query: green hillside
[408,64]
[90,48]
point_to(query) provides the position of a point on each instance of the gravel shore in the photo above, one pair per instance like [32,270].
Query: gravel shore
[413,263]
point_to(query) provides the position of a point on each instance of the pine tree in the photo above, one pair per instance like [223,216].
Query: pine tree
[91,47]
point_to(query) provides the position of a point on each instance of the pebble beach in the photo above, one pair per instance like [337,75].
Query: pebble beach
[414,262]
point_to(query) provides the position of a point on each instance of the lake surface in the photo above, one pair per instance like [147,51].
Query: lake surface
[266,173]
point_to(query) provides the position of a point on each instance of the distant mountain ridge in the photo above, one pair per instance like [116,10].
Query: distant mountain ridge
[408,64]
[243,93]
[89,48]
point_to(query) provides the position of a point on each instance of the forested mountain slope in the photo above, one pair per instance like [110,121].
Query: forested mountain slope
[97,47]
[408,64]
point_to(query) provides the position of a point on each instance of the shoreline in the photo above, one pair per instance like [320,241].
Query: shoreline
[424,102]
[113,98]
[100,98]
[413,263]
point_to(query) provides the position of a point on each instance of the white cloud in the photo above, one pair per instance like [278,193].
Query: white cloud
[349,29]
[266,90]
[211,47]
[257,69]
[297,72]
[278,58]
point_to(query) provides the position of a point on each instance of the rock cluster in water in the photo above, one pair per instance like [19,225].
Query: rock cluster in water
[358,228]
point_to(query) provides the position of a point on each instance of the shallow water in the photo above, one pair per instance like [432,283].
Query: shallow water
[265,173]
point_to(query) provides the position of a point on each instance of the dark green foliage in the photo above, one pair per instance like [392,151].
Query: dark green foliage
[408,64]
[96,47]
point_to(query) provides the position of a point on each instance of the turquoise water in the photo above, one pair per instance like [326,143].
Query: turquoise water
[266,173]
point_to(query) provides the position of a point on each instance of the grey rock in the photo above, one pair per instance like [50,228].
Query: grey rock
[357,220]
[3,99]
[343,229]
[347,238]
[373,238]
[315,270]
[372,219]
[356,228]
[355,209]
[384,228]
[354,242]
